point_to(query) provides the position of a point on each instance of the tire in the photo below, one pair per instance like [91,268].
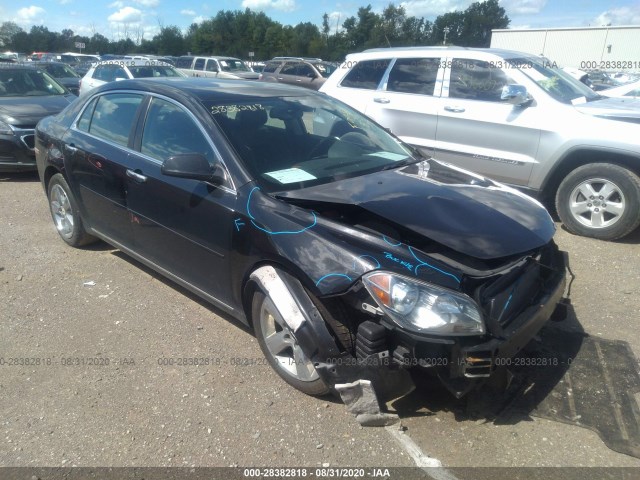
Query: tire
[600,200]
[279,345]
[65,213]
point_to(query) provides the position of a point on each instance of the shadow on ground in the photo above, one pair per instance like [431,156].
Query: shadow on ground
[564,375]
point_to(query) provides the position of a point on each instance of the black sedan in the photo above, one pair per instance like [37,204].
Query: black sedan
[63,74]
[27,95]
[350,254]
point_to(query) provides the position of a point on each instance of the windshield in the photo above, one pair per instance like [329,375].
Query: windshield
[147,71]
[289,143]
[59,71]
[556,82]
[325,69]
[28,83]
[233,65]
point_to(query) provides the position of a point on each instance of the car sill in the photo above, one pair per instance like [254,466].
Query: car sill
[180,281]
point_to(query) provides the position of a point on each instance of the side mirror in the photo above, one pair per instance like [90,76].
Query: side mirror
[194,166]
[515,94]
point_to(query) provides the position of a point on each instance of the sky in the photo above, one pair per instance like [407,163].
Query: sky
[114,19]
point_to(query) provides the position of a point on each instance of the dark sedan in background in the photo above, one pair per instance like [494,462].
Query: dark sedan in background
[63,73]
[27,95]
[350,254]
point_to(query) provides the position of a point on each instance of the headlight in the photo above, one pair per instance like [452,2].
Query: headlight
[423,307]
[5,128]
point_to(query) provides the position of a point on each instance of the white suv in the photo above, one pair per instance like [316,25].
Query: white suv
[511,116]
[112,70]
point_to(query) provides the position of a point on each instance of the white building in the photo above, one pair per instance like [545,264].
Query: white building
[586,48]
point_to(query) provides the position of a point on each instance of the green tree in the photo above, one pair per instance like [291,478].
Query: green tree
[8,30]
[479,19]
[168,42]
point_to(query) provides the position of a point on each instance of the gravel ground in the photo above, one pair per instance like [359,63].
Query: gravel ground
[75,309]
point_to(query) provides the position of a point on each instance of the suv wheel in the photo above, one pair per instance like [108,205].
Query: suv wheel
[600,200]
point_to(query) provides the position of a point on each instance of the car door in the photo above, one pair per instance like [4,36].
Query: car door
[479,131]
[182,225]
[97,155]
[102,74]
[360,85]
[407,102]
[288,73]
[211,68]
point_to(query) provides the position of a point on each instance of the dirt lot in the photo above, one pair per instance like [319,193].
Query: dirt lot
[69,312]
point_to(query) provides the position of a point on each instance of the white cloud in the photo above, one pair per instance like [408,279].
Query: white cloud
[282,5]
[116,4]
[618,16]
[198,19]
[65,2]
[336,19]
[523,7]
[30,15]
[433,8]
[126,15]
[190,13]
[148,3]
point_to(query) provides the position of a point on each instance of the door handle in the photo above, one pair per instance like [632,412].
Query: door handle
[454,109]
[381,100]
[71,148]
[137,177]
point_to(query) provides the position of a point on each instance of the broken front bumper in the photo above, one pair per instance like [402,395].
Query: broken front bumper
[384,354]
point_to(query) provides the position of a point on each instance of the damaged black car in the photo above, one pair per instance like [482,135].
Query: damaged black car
[351,255]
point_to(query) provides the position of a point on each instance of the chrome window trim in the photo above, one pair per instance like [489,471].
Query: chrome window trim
[74,126]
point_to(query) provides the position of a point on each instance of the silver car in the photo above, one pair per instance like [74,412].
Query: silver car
[511,116]
[124,69]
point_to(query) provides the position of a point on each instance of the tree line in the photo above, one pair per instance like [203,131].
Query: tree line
[236,33]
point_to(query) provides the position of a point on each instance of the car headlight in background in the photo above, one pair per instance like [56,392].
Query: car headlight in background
[423,307]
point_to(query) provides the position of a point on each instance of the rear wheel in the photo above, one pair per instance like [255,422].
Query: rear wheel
[65,213]
[600,200]
[279,345]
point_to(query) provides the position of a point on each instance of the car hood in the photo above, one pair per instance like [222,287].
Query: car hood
[30,110]
[448,205]
[623,109]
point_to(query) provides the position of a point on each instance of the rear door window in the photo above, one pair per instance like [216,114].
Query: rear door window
[414,75]
[366,74]
[289,69]
[199,65]
[113,117]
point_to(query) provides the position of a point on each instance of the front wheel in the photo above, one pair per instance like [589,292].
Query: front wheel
[65,213]
[280,347]
[600,200]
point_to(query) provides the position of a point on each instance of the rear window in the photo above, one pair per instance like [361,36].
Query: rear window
[366,74]
[153,71]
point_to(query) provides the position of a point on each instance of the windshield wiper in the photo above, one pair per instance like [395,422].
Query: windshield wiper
[402,163]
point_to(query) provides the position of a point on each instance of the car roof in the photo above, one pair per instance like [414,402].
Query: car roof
[205,89]
[450,50]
